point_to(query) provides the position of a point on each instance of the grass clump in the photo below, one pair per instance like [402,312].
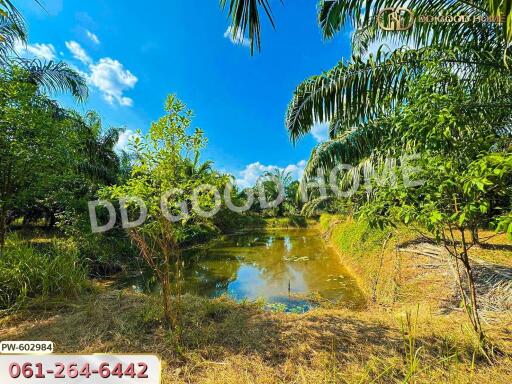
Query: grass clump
[28,272]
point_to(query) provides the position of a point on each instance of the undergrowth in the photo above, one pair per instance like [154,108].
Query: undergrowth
[28,272]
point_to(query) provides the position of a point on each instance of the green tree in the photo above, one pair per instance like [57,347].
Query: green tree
[464,165]
[12,29]
[165,169]
[275,184]
[333,15]
[32,144]
[453,199]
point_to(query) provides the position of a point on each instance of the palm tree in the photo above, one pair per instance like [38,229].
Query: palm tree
[357,96]
[49,76]
[503,8]
[102,163]
[354,94]
[12,29]
[358,91]
[275,182]
[334,14]
[194,170]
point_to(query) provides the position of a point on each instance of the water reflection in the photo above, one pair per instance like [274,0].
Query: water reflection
[286,267]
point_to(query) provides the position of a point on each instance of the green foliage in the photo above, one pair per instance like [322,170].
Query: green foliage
[363,90]
[166,159]
[52,160]
[355,237]
[278,186]
[465,169]
[465,184]
[488,178]
[166,166]
[32,151]
[333,15]
[503,8]
[48,76]
[27,272]
[12,29]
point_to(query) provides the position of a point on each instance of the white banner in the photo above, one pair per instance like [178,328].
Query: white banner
[70,369]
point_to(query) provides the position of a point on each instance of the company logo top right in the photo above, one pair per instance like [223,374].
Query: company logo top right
[395,19]
[402,19]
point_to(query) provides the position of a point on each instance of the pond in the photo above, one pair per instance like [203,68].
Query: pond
[289,269]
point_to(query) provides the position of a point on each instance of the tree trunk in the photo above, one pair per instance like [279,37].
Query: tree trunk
[471,302]
[178,292]
[473,311]
[166,288]
[475,239]
[4,193]
[3,228]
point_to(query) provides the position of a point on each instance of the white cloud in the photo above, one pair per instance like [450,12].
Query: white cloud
[112,79]
[78,52]
[93,37]
[296,170]
[108,75]
[248,177]
[40,51]
[124,140]
[238,39]
[320,131]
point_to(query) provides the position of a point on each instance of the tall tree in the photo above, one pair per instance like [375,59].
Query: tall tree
[33,148]
[276,184]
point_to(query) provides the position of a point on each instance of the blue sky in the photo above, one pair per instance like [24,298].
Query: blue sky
[135,53]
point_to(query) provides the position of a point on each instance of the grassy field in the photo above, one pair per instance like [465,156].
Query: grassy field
[226,342]
[412,329]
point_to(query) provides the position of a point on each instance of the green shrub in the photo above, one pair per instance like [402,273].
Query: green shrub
[27,272]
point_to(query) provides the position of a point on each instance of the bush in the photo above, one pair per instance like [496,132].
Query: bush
[26,272]
[104,253]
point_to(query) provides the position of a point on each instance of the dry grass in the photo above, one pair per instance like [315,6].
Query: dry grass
[388,276]
[227,342]
[400,266]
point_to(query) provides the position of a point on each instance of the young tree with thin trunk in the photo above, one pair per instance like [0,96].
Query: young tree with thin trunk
[161,179]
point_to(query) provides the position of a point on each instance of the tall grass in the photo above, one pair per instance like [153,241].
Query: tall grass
[411,350]
[27,272]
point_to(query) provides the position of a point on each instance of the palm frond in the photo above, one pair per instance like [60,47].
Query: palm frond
[334,14]
[246,14]
[52,77]
[12,32]
[315,204]
[350,148]
[503,8]
[358,91]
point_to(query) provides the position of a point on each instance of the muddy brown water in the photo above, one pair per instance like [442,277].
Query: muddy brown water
[288,269]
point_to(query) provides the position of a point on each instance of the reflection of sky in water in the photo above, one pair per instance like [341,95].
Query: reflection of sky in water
[266,265]
[251,284]
[288,243]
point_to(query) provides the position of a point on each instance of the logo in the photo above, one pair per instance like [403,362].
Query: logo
[395,19]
